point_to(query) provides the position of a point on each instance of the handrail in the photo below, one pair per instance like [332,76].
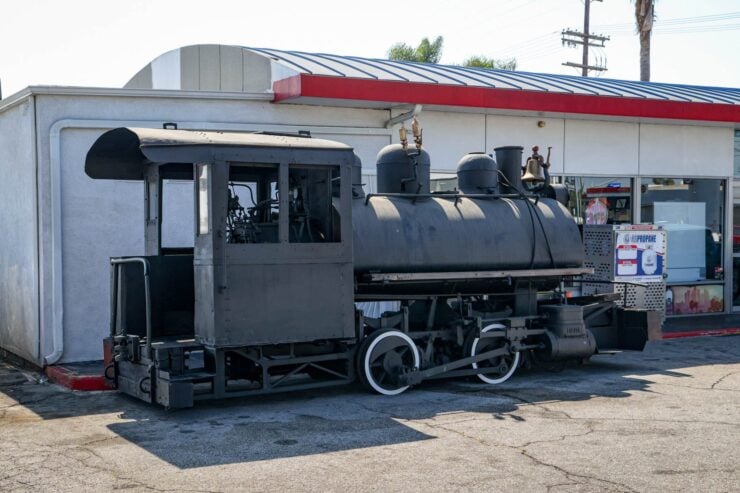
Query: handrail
[449,195]
[115,266]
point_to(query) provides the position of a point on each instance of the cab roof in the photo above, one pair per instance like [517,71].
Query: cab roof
[124,153]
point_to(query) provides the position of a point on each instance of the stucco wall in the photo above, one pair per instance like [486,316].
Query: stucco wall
[18,254]
[681,150]
[100,219]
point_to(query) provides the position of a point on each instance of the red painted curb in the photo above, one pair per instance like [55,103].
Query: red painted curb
[74,381]
[701,333]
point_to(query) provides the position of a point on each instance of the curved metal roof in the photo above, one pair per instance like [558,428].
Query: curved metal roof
[124,153]
[322,64]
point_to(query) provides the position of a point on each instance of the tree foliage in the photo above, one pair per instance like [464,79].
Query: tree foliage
[481,61]
[431,52]
[426,52]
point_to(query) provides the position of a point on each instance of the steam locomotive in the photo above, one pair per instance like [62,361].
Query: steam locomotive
[298,279]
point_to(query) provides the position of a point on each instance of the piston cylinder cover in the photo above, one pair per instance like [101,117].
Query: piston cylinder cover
[403,170]
[477,173]
[566,335]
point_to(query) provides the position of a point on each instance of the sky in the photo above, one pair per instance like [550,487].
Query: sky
[103,43]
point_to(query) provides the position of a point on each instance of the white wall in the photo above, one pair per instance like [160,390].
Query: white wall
[18,253]
[366,146]
[598,147]
[449,136]
[524,131]
[683,150]
[101,219]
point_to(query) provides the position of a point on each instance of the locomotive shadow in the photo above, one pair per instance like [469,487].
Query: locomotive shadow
[349,419]
[242,431]
[342,419]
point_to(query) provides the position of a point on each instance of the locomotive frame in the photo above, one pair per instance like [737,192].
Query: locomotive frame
[265,301]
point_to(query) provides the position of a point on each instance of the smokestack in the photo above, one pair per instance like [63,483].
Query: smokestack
[509,160]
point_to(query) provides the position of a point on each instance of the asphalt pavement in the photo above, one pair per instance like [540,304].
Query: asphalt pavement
[667,419]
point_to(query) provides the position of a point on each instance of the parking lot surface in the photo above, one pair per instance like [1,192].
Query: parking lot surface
[667,419]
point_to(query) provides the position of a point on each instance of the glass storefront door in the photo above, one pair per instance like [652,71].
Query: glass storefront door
[691,211]
[736,257]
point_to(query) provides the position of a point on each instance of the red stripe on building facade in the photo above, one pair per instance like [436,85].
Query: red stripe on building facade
[321,86]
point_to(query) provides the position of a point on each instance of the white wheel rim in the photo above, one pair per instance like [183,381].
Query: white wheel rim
[366,361]
[512,368]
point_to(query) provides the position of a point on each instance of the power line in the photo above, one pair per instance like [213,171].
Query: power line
[533,41]
[542,54]
[553,45]
[683,30]
[677,20]
[551,42]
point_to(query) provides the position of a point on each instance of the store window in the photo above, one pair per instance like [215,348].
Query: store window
[736,256]
[692,212]
[599,200]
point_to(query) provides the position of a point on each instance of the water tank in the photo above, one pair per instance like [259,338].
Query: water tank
[396,234]
[403,170]
[477,173]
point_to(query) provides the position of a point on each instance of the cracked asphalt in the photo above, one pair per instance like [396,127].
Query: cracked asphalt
[667,419]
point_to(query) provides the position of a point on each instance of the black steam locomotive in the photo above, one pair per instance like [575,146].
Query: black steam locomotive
[298,279]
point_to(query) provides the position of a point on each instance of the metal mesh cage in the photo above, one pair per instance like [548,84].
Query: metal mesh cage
[599,244]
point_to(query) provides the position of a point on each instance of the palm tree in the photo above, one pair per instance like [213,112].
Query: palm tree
[427,51]
[431,52]
[644,17]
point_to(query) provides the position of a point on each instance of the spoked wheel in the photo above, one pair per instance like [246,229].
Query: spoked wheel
[506,365]
[383,357]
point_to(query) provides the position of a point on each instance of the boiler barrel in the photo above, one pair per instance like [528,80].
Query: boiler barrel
[394,234]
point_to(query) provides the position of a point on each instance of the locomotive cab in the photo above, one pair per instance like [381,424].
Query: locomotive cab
[271,263]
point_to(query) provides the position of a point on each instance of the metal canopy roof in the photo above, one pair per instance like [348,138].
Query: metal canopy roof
[123,153]
[391,70]
[320,75]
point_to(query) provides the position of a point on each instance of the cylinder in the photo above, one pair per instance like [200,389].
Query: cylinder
[509,159]
[477,173]
[403,170]
[561,348]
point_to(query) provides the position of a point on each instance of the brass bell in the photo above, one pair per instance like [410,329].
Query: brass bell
[533,171]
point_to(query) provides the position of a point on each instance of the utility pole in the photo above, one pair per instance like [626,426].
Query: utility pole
[573,38]
[586,19]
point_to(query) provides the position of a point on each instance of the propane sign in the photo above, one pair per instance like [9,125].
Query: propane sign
[639,253]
